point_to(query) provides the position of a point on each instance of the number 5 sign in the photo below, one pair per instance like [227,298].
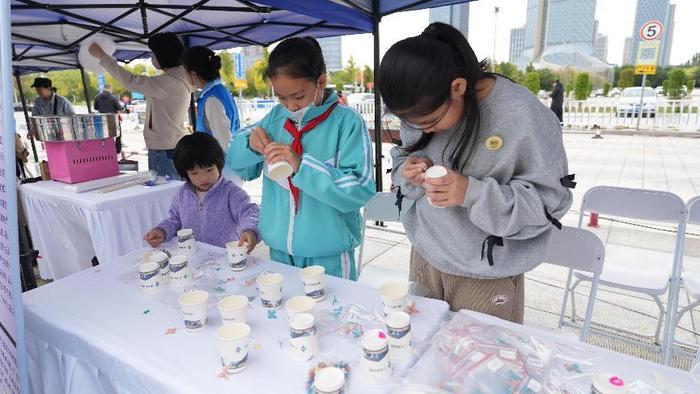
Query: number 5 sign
[651,30]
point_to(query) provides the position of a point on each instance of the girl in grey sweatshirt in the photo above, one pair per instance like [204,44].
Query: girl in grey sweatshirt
[491,216]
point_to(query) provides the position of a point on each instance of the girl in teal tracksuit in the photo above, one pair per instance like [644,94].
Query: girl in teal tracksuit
[312,217]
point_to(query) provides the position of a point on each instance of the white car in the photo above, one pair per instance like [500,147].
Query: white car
[628,103]
[359,98]
[614,92]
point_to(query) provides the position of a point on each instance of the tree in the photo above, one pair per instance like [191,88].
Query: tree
[568,88]
[547,78]
[532,82]
[368,75]
[582,85]
[665,86]
[606,88]
[626,78]
[690,85]
[227,71]
[676,80]
[529,68]
[509,70]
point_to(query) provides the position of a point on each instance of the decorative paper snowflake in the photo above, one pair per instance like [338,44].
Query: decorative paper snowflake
[170,331]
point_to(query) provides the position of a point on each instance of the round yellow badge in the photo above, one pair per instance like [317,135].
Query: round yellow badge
[494,143]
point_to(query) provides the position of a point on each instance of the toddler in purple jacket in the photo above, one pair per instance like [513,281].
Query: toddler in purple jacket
[214,208]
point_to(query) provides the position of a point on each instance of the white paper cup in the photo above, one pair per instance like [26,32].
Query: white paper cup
[233,340]
[303,338]
[374,364]
[237,256]
[398,329]
[194,306]
[394,297]
[270,287]
[186,243]
[163,260]
[233,308]
[299,304]
[314,280]
[180,273]
[435,172]
[279,170]
[149,275]
[329,380]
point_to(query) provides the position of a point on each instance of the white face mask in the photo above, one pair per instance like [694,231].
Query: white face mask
[155,63]
[298,115]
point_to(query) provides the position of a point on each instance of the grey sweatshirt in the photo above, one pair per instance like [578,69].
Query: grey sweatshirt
[508,192]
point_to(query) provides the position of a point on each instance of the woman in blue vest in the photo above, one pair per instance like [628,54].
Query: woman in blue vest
[216,111]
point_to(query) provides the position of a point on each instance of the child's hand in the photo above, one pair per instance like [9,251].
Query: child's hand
[275,152]
[250,238]
[447,191]
[414,169]
[259,140]
[154,237]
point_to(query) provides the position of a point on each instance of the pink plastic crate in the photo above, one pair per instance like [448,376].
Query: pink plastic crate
[80,161]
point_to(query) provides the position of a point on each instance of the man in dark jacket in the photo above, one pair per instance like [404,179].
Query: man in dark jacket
[557,96]
[107,103]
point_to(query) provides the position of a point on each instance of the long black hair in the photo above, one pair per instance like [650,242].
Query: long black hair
[198,149]
[415,79]
[167,48]
[203,61]
[297,57]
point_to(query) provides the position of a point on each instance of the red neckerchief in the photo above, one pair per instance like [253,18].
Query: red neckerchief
[296,144]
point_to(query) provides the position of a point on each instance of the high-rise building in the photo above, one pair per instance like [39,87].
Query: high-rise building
[251,54]
[517,43]
[332,49]
[455,15]
[560,34]
[658,10]
[600,47]
[627,52]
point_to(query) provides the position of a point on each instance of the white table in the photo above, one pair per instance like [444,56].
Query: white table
[93,332]
[605,361]
[68,228]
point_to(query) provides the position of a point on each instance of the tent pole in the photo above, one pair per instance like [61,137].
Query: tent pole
[83,76]
[377,100]
[26,115]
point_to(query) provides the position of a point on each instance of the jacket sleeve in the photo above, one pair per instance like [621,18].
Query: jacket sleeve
[247,213]
[148,86]
[215,117]
[240,158]
[519,209]
[399,156]
[172,224]
[349,185]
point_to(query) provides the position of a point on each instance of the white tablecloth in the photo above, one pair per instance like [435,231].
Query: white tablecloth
[95,333]
[628,368]
[68,228]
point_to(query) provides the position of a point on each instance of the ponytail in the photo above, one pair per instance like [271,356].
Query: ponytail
[202,61]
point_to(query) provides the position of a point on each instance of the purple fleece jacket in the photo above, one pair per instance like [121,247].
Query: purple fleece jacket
[222,216]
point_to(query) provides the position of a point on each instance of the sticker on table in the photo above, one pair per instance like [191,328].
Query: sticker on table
[272,314]
[146,312]
[170,331]
[412,309]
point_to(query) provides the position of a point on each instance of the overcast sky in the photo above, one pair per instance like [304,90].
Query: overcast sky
[616,21]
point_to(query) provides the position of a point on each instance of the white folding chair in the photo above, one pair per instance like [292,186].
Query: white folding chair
[382,207]
[691,280]
[580,250]
[654,281]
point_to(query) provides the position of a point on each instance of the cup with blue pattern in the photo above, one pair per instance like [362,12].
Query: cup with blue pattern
[180,273]
[398,329]
[374,364]
[303,338]
[149,276]
[233,343]
[314,280]
[194,306]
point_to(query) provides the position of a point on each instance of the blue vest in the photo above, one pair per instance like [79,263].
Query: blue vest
[216,89]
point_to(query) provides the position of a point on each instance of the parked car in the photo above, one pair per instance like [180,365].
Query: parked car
[359,98]
[659,90]
[614,92]
[628,103]
[598,93]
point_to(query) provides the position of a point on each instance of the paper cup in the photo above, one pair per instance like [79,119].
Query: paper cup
[303,338]
[186,243]
[435,172]
[163,261]
[233,342]
[394,297]
[270,287]
[314,280]
[180,273]
[374,364]
[149,275]
[233,308]
[237,256]
[329,380]
[398,329]
[279,170]
[299,304]
[194,306]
